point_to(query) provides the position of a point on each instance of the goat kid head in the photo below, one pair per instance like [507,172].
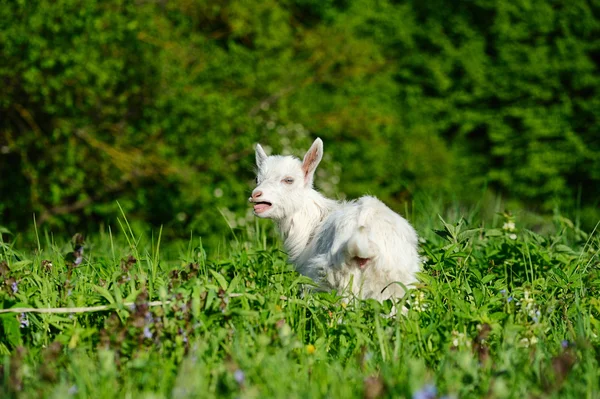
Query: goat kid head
[283,182]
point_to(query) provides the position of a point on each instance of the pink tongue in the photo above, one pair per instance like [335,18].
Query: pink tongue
[258,208]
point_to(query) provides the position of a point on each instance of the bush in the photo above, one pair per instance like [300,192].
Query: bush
[158,105]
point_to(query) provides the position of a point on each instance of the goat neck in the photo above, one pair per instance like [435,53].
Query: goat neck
[298,228]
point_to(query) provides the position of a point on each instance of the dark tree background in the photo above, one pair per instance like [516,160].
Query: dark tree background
[157,104]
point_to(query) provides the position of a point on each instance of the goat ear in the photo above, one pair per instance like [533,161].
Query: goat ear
[311,161]
[260,155]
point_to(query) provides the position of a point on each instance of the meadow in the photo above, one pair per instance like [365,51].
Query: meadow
[501,312]
[133,123]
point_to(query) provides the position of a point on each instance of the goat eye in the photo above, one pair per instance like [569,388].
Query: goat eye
[256,179]
[288,180]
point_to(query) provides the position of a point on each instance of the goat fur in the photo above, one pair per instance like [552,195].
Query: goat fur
[360,246]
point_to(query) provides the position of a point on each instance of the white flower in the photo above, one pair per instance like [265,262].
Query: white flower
[218,193]
[510,226]
[460,339]
[512,236]
[418,302]
[533,340]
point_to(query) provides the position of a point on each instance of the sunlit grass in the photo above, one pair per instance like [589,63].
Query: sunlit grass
[501,311]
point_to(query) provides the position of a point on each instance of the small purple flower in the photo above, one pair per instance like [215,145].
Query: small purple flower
[78,253]
[503,291]
[132,307]
[14,287]
[23,320]
[429,391]
[148,318]
[184,337]
[239,376]
[147,332]
[509,299]
[564,343]
[69,292]
[73,390]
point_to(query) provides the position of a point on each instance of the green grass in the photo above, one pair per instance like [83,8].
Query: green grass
[497,315]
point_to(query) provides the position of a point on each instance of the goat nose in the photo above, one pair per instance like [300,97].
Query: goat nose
[257,194]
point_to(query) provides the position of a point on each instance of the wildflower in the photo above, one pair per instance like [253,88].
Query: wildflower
[77,255]
[419,302]
[147,332]
[509,226]
[310,349]
[184,338]
[564,343]
[429,391]
[460,339]
[533,340]
[239,376]
[14,287]
[73,390]
[503,291]
[148,318]
[509,299]
[23,320]
[526,342]
[512,236]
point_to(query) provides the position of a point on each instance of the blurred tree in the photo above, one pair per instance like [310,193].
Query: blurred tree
[158,104]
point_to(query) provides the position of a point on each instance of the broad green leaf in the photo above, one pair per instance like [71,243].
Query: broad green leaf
[220,279]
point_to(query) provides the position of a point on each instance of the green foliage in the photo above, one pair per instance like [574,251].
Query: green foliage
[499,313]
[158,104]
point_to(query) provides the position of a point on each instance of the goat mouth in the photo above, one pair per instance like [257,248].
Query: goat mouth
[262,206]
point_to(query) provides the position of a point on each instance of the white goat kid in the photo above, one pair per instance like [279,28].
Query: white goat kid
[361,246]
